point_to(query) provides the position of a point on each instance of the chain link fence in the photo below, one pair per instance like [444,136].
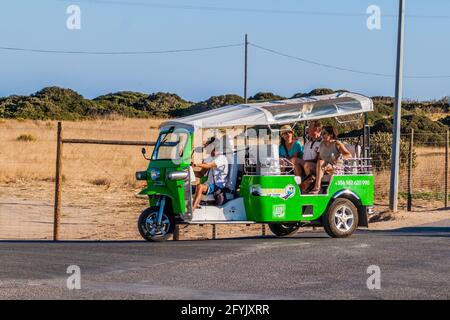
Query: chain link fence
[99,190]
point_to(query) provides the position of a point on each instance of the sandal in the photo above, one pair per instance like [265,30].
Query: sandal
[314,191]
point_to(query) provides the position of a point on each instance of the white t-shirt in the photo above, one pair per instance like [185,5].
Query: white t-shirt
[311,149]
[218,175]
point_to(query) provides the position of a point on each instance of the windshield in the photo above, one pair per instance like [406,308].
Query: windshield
[171,144]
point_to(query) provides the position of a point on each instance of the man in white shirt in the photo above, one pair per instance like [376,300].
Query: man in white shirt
[311,148]
[217,166]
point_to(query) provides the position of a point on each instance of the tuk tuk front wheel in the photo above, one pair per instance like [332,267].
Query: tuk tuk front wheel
[341,219]
[283,230]
[149,230]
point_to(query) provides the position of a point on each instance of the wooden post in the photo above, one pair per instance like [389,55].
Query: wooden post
[410,165]
[446,170]
[58,183]
[263,229]
[176,232]
[214,231]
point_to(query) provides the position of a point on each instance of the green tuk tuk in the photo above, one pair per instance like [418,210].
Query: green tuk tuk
[259,188]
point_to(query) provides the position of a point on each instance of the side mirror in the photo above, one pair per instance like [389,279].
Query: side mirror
[143,151]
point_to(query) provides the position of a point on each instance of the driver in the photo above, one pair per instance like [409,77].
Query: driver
[217,166]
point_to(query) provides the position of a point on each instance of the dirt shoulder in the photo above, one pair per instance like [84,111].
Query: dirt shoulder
[91,212]
[386,220]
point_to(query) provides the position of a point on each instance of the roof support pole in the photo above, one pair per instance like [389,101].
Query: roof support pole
[245,66]
[393,194]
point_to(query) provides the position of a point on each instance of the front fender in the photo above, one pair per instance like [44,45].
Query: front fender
[177,207]
[146,191]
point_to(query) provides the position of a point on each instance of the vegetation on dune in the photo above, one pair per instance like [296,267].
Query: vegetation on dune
[210,104]
[265,96]
[135,104]
[54,103]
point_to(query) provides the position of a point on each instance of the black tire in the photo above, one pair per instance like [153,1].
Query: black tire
[145,228]
[283,230]
[341,218]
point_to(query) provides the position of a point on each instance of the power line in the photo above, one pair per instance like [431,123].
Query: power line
[248,10]
[325,65]
[119,52]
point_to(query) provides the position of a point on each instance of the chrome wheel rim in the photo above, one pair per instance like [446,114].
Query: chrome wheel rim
[152,228]
[343,218]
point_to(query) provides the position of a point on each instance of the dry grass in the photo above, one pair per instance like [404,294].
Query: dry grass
[83,163]
[428,179]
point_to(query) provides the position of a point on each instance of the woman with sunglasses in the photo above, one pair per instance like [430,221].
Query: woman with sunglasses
[290,148]
[331,153]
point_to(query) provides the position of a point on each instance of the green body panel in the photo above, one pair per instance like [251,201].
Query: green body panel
[174,189]
[266,198]
[278,198]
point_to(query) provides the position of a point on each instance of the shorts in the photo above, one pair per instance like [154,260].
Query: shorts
[211,188]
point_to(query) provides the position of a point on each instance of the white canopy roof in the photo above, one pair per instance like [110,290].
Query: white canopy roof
[278,112]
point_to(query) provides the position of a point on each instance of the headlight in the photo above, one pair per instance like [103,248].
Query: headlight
[155,173]
[141,175]
[177,175]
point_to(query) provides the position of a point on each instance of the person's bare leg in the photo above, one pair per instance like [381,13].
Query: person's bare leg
[297,167]
[302,163]
[201,188]
[309,168]
[319,174]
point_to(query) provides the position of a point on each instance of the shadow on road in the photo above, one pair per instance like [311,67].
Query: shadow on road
[419,231]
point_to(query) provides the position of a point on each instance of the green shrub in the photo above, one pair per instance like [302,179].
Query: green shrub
[101,182]
[265,96]
[26,138]
[381,151]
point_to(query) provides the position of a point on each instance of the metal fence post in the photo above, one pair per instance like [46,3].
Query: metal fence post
[410,165]
[58,183]
[446,170]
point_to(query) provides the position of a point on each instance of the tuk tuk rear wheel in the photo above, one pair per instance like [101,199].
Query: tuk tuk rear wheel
[283,230]
[341,218]
[147,228]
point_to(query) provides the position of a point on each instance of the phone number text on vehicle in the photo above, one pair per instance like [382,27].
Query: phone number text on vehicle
[353,183]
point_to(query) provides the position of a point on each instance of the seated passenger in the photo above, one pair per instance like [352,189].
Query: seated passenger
[217,170]
[290,148]
[331,153]
[311,148]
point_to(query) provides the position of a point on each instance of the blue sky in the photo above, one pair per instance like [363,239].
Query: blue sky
[339,40]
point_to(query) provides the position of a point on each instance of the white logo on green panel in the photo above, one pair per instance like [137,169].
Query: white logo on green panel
[284,193]
[278,211]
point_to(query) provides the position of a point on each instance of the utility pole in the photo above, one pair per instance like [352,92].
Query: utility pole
[393,194]
[245,67]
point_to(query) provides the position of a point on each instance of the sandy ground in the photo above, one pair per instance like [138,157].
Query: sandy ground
[91,212]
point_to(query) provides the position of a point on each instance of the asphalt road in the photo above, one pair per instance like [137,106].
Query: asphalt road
[414,264]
